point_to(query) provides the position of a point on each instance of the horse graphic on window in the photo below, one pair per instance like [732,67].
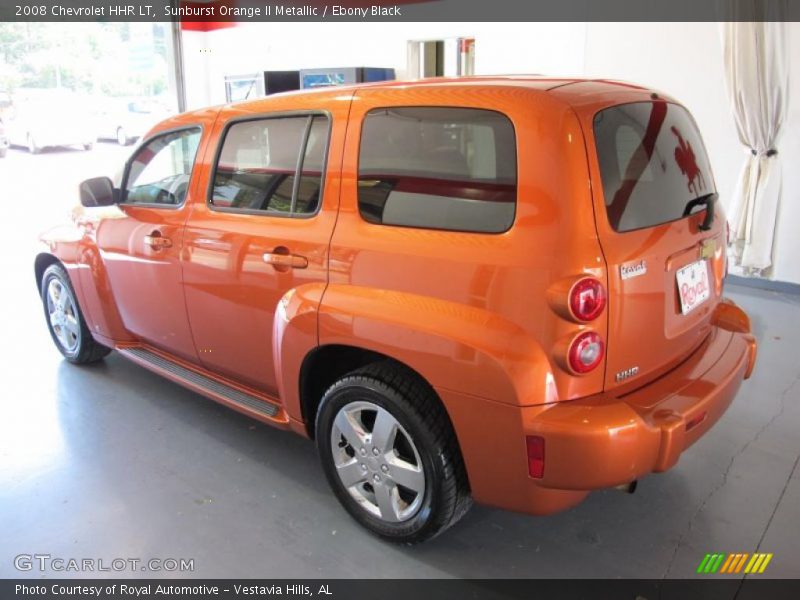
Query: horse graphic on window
[687,162]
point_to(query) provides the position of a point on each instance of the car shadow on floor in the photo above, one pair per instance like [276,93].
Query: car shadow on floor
[147,419]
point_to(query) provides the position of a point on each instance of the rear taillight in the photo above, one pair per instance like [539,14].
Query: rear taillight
[585,352]
[535,445]
[587,299]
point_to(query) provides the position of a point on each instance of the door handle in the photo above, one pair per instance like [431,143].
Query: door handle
[282,260]
[157,241]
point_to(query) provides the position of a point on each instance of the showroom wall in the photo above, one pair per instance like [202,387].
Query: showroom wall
[543,48]
[683,59]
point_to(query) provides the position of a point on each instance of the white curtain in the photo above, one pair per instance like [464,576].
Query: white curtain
[757,74]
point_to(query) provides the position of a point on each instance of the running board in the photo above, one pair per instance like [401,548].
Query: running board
[215,389]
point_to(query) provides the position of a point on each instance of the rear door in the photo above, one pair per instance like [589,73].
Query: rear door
[262,232]
[652,182]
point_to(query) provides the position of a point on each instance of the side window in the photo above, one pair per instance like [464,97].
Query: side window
[260,160]
[160,170]
[438,168]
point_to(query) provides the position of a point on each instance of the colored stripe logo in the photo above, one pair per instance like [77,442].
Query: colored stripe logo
[734,563]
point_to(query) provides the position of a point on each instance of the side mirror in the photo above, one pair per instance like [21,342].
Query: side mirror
[98,191]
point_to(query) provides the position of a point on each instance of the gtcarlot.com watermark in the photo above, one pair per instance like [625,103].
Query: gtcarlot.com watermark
[46,563]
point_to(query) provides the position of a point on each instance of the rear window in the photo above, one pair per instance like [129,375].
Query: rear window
[438,168]
[652,163]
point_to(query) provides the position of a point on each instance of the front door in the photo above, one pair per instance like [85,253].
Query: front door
[141,246]
[263,232]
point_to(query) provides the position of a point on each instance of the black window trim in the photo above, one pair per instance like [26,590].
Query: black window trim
[453,106]
[123,191]
[309,114]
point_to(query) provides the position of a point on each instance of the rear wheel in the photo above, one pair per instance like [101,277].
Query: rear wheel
[33,147]
[390,454]
[65,320]
[122,137]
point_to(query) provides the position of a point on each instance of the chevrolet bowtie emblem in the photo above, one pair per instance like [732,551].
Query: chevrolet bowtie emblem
[707,248]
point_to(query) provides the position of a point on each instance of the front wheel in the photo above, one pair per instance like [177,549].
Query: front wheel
[65,320]
[390,454]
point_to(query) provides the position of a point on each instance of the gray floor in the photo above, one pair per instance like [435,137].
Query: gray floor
[111,461]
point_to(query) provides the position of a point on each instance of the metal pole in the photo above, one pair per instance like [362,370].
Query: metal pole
[176,76]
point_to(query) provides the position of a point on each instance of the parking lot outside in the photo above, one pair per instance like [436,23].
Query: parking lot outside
[113,461]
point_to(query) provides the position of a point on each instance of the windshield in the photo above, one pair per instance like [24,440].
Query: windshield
[652,163]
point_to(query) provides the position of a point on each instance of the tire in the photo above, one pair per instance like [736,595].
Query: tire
[88,146]
[33,147]
[122,137]
[66,325]
[424,454]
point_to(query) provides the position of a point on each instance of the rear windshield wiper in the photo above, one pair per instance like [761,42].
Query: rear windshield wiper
[707,200]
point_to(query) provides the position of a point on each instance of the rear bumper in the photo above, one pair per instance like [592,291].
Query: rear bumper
[604,441]
[73,136]
[52,141]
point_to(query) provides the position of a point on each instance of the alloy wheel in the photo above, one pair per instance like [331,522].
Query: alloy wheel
[64,319]
[377,461]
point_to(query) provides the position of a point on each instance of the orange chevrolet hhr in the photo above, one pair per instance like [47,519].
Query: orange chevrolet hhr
[506,289]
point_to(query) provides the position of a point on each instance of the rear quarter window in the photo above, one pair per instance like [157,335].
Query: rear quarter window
[652,163]
[438,168]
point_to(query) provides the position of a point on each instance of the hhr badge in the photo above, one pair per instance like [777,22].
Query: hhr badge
[633,269]
[626,374]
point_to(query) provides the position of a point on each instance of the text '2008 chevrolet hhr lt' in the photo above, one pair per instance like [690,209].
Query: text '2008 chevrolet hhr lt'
[506,290]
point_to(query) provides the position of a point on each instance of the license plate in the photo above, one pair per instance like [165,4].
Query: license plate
[693,288]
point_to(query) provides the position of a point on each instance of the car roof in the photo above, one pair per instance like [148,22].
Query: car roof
[536,82]
[569,89]
[580,92]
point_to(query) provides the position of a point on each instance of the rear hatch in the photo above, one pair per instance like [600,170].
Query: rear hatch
[665,260]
